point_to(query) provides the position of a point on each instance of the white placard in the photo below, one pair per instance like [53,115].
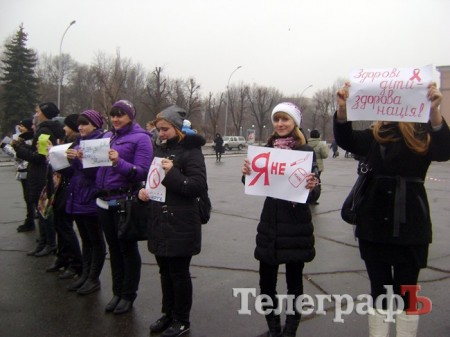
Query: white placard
[278,173]
[57,156]
[95,152]
[6,140]
[155,190]
[389,94]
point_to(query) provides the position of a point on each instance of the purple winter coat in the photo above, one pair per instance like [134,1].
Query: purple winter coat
[135,157]
[81,192]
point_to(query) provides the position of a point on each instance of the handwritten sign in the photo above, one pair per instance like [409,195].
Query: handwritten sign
[278,173]
[42,144]
[156,191]
[95,152]
[6,140]
[394,94]
[57,156]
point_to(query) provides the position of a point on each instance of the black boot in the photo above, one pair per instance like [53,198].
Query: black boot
[292,322]
[87,256]
[274,324]
[89,287]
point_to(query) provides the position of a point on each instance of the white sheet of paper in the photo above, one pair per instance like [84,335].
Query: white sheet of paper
[278,173]
[156,191]
[95,152]
[389,94]
[57,156]
[6,140]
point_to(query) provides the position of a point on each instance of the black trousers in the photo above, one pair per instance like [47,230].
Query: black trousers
[68,246]
[268,276]
[31,210]
[176,286]
[92,243]
[381,273]
[124,256]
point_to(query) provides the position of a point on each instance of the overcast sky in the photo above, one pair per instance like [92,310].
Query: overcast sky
[286,44]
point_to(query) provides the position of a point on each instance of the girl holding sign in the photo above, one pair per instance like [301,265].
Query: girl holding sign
[175,225]
[393,223]
[130,153]
[285,231]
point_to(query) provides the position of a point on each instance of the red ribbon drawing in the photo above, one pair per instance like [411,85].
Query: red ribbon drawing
[416,76]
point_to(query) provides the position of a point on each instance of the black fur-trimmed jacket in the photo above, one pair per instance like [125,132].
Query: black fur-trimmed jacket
[175,226]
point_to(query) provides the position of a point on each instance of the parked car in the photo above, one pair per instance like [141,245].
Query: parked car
[232,142]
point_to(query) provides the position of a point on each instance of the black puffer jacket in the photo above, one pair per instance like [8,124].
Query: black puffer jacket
[37,167]
[175,227]
[285,230]
[395,209]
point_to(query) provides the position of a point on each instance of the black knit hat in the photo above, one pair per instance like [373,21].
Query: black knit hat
[72,122]
[49,109]
[314,134]
[27,122]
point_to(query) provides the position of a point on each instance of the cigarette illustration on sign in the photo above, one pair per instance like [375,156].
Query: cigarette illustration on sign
[155,189]
[278,173]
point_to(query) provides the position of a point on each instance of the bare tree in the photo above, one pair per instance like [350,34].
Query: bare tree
[111,75]
[157,91]
[261,102]
[213,107]
[238,106]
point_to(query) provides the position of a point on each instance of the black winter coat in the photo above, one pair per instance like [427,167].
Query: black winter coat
[285,230]
[175,226]
[390,213]
[37,167]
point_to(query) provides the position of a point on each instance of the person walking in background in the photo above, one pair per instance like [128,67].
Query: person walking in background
[37,169]
[393,223]
[25,127]
[131,154]
[81,205]
[334,148]
[320,149]
[68,254]
[218,147]
[175,225]
[285,230]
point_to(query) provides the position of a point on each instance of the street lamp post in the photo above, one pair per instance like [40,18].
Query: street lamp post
[309,86]
[60,63]
[228,97]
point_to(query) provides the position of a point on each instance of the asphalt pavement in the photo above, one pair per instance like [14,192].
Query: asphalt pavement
[36,303]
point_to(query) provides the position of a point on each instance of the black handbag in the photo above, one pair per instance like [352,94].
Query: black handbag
[349,210]
[204,207]
[133,219]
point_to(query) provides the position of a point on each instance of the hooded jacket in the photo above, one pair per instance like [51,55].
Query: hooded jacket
[175,226]
[320,149]
[135,156]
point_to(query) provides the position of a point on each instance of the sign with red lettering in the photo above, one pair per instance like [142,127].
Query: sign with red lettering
[278,173]
[393,94]
[156,191]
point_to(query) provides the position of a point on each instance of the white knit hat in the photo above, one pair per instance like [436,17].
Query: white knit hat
[291,109]
[186,123]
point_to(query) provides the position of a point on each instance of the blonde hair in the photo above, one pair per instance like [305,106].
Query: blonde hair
[178,132]
[415,135]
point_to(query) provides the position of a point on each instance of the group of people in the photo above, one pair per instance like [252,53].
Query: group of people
[91,198]
[393,233]
[393,224]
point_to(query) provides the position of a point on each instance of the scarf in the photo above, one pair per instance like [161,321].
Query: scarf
[284,143]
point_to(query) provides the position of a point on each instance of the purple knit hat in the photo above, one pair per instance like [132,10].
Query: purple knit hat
[94,117]
[127,107]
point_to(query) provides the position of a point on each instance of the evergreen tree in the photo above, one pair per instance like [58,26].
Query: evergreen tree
[20,84]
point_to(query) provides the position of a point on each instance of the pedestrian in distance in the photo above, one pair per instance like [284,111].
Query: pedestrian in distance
[321,150]
[175,224]
[82,206]
[393,223]
[334,148]
[218,147]
[131,154]
[285,230]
